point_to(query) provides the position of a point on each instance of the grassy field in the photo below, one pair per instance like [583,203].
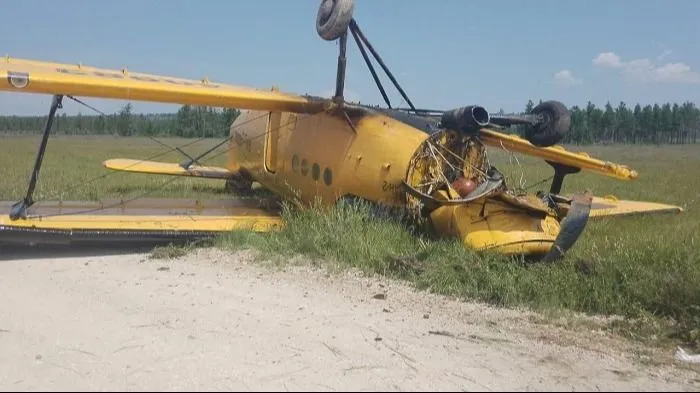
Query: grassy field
[72,168]
[646,269]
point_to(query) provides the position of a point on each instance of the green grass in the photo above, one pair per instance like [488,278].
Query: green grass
[646,269]
[72,168]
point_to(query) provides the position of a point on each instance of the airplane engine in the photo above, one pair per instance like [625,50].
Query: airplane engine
[466,118]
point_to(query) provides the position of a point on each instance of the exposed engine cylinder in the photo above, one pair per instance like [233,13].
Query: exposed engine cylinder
[465,118]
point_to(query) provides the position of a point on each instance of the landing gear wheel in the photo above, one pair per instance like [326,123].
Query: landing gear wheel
[553,126]
[333,18]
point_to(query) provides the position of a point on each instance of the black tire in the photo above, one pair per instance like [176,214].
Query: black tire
[553,126]
[333,18]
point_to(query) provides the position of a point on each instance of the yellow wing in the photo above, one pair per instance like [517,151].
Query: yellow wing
[610,206]
[557,154]
[601,206]
[162,168]
[135,220]
[18,75]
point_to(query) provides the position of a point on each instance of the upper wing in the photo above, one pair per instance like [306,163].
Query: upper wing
[30,76]
[557,154]
[163,168]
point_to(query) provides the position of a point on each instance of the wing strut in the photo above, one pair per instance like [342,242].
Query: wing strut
[357,33]
[361,42]
[560,171]
[361,47]
[19,209]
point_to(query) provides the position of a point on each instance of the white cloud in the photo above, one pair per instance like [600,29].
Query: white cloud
[645,70]
[676,72]
[608,60]
[565,78]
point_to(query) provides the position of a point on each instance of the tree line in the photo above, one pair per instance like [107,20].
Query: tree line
[189,122]
[650,124]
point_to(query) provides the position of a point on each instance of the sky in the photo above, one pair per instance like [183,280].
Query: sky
[445,53]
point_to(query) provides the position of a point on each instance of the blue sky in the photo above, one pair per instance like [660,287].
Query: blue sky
[445,53]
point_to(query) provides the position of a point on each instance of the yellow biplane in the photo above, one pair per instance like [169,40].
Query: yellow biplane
[429,163]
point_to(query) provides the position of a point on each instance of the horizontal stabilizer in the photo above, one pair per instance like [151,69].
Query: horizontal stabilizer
[613,207]
[163,168]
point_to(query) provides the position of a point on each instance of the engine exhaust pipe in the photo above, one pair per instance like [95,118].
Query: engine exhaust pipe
[466,118]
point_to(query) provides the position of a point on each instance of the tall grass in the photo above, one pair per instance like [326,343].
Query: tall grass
[72,168]
[646,269]
[655,283]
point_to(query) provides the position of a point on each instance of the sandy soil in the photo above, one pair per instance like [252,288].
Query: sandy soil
[215,321]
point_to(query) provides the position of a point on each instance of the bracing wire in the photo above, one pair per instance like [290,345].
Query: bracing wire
[115,173]
[167,182]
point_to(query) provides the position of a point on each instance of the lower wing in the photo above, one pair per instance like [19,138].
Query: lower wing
[138,220]
[613,207]
[557,154]
[163,168]
[600,206]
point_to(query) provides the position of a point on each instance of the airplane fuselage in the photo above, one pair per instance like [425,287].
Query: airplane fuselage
[321,158]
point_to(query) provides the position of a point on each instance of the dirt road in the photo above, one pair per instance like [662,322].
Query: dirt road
[215,321]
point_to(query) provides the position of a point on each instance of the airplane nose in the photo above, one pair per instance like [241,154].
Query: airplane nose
[495,226]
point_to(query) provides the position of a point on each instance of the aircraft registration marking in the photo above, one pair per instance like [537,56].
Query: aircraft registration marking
[390,187]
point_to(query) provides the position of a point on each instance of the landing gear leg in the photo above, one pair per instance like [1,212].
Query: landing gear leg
[19,209]
[574,223]
[340,77]
[560,171]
